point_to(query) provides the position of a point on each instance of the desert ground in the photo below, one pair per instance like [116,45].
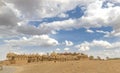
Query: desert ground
[8,69]
[89,66]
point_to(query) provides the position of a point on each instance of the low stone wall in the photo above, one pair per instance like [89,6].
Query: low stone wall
[21,62]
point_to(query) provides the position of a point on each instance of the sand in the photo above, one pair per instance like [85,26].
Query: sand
[112,66]
[8,69]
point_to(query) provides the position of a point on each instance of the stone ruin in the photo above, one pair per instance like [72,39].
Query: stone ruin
[13,58]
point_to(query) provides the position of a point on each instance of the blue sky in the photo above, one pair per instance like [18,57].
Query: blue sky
[91,27]
[81,35]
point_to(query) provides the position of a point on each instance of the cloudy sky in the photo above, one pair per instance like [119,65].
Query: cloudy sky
[43,26]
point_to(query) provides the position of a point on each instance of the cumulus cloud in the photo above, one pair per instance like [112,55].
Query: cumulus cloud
[27,8]
[89,31]
[42,8]
[15,16]
[101,31]
[63,15]
[8,17]
[94,16]
[42,40]
[109,34]
[8,21]
[58,49]
[4,49]
[29,30]
[68,43]
[98,43]
[58,25]
[106,33]
[45,8]
[66,49]
[84,48]
[1,3]
[101,43]
[97,16]
[115,1]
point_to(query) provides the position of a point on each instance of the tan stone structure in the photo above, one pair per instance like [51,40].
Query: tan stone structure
[1,67]
[23,59]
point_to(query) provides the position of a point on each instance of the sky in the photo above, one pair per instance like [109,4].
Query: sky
[43,26]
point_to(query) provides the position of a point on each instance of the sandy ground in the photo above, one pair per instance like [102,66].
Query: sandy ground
[8,69]
[72,67]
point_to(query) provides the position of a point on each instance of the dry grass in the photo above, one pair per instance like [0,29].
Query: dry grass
[111,66]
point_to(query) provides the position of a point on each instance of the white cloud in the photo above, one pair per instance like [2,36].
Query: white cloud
[94,16]
[101,43]
[16,14]
[68,43]
[53,32]
[45,8]
[109,34]
[42,40]
[116,45]
[4,49]
[42,8]
[89,31]
[115,1]
[8,21]
[8,17]
[58,49]
[84,48]
[115,33]
[98,43]
[106,33]
[66,49]
[100,31]
[63,15]
[1,3]
[58,25]
[30,30]
[26,8]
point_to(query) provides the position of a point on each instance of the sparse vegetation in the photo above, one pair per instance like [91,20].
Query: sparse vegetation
[98,57]
[91,57]
[113,59]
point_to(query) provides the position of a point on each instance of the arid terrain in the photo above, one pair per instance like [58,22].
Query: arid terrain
[85,66]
